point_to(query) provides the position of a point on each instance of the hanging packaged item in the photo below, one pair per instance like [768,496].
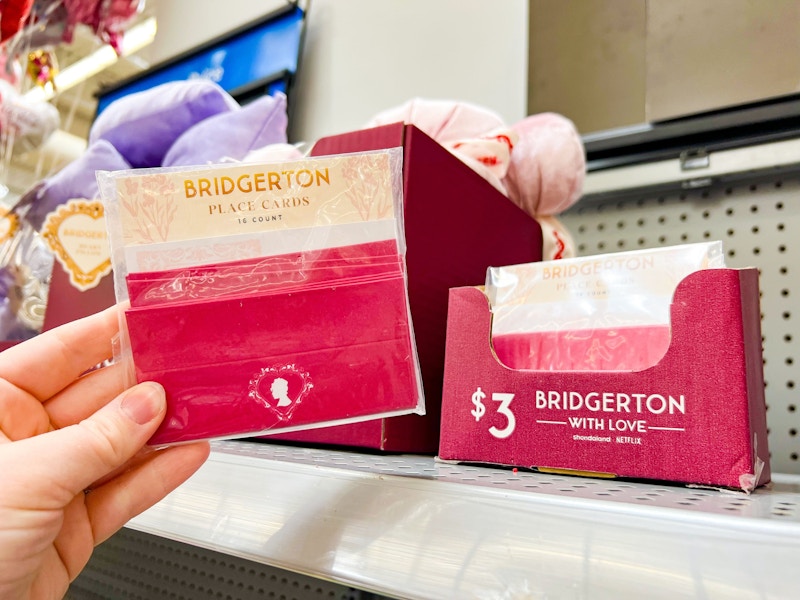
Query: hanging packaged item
[266,298]
[642,364]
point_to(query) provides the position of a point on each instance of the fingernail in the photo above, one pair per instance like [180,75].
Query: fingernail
[144,402]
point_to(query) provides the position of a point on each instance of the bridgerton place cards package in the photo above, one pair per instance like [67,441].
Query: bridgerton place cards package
[641,364]
[266,298]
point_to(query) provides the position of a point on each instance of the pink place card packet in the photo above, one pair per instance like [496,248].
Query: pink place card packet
[605,313]
[266,298]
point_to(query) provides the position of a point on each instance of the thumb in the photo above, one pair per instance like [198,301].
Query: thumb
[91,449]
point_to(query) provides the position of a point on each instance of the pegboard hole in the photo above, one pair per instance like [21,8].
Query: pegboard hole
[779,206]
[729,212]
[782,248]
[792,408]
[793,432]
[786,315]
[790,384]
[781,226]
[754,208]
[783,270]
[706,214]
[754,229]
[730,232]
[784,292]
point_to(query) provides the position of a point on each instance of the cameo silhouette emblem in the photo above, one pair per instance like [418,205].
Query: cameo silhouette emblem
[281,389]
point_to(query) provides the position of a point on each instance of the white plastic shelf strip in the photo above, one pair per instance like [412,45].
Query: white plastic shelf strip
[759,224]
[412,527]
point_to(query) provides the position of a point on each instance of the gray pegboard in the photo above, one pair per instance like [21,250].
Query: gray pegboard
[759,224]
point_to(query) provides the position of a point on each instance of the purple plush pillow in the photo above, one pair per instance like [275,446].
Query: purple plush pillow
[76,180]
[143,126]
[232,134]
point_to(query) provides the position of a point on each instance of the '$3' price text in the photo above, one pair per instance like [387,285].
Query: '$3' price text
[504,409]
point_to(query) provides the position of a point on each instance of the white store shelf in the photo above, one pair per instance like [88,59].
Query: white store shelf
[411,527]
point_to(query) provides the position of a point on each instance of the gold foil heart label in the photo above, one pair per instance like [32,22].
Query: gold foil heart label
[76,233]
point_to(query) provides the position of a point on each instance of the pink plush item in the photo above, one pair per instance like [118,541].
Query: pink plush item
[443,120]
[548,165]
[474,134]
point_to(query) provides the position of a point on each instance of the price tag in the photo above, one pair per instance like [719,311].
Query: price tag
[504,409]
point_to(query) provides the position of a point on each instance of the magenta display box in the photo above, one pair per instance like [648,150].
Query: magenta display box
[456,225]
[696,417]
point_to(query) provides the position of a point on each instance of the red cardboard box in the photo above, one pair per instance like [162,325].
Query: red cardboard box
[696,417]
[456,226]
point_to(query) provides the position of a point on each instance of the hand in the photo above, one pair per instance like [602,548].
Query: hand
[63,433]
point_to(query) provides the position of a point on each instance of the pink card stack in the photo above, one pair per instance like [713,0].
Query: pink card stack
[274,341]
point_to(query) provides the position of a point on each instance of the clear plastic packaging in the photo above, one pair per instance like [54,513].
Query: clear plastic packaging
[26,263]
[266,298]
[602,313]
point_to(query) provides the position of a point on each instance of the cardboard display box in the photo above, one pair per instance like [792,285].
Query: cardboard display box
[696,417]
[456,226]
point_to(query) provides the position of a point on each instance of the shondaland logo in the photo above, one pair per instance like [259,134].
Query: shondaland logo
[281,389]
